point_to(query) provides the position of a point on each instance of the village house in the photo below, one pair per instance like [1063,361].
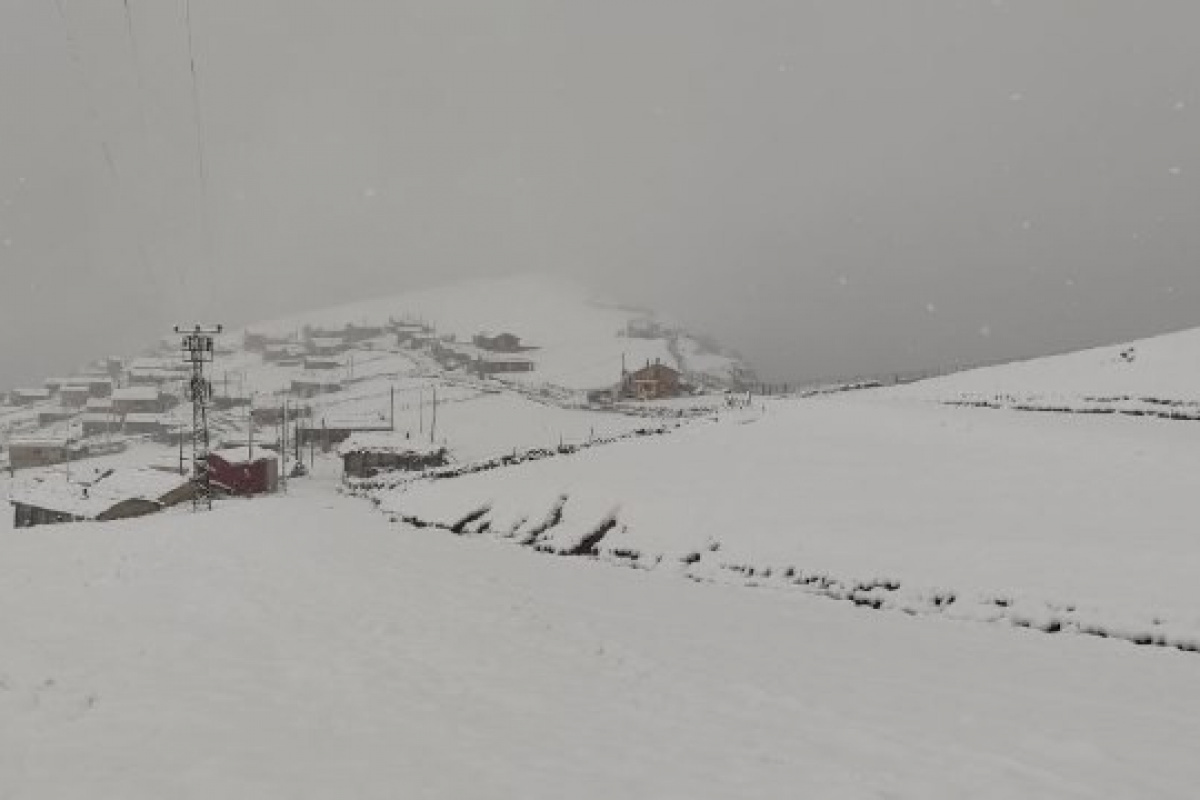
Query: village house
[244,471]
[105,496]
[28,397]
[365,455]
[150,377]
[501,364]
[327,346]
[230,401]
[259,342]
[422,341]
[406,331]
[265,416]
[653,382]
[97,385]
[28,453]
[74,395]
[283,355]
[52,416]
[99,405]
[498,342]
[323,363]
[330,433]
[154,426]
[309,386]
[99,424]
[356,333]
[54,384]
[139,400]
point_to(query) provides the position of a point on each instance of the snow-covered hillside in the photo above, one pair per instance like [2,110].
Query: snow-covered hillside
[302,647]
[580,343]
[477,631]
[1164,368]
[1061,523]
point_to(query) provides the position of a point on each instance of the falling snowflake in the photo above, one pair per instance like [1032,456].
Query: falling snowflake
[1180,105]
[1027,224]
[1176,170]
[931,308]
[843,280]
[8,242]
[985,331]
[1017,97]
[369,192]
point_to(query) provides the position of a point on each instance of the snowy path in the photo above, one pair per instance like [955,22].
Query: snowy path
[304,648]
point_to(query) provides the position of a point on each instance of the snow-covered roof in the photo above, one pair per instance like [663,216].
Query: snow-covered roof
[97,493]
[310,379]
[387,443]
[497,358]
[240,455]
[328,341]
[147,419]
[39,442]
[137,393]
[27,392]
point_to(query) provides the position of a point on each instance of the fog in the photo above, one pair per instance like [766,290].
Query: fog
[833,188]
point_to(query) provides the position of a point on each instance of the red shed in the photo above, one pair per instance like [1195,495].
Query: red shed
[234,472]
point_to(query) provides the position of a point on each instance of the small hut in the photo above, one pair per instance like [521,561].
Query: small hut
[237,472]
[365,455]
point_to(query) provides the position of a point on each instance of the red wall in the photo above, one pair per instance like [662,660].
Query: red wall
[244,479]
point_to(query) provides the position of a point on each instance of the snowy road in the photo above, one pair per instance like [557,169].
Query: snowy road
[304,648]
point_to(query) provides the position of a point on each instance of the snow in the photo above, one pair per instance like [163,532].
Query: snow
[192,656]
[909,549]
[1082,520]
[577,340]
[385,443]
[1165,367]
[87,496]
[137,393]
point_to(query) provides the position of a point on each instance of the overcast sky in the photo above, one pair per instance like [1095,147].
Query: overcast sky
[833,187]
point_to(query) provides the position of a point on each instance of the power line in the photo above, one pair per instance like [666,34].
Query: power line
[73,52]
[201,159]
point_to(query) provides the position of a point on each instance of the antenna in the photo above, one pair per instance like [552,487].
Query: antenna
[198,348]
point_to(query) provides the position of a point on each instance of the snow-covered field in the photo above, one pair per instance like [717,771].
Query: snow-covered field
[1165,367]
[302,647]
[845,595]
[1055,522]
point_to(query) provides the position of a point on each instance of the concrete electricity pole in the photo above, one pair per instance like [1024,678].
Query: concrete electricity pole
[197,348]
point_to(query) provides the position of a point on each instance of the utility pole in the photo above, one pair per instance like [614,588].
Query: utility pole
[283,447]
[197,348]
[433,422]
[249,436]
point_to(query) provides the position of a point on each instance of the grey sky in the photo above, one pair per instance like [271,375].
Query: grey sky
[833,187]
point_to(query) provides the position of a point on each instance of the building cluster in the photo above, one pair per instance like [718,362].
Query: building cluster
[124,493]
[110,399]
